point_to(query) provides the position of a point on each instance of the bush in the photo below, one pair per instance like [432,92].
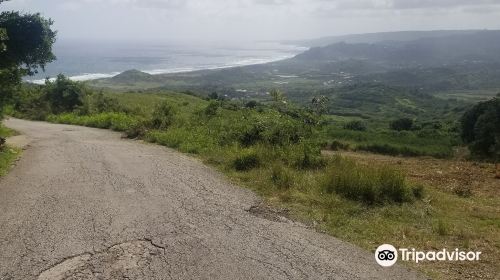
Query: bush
[137,130]
[96,103]
[30,102]
[307,156]
[355,125]
[64,95]
[282,176]
[367,184]
[401,124]
[246,160]
[337,145]
[211,109]
[481,129]
[163,116]
[251,104]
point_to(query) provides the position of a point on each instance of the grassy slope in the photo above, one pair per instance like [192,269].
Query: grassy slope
[441,219]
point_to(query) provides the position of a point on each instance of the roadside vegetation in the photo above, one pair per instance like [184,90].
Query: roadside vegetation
[275,148]
[7,154]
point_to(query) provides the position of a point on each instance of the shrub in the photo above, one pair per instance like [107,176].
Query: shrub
[481,129]
[251,135]
[355,125]
[401,124]
[281,176]
[246,160]
[370,185]
[213,96]
[64,95]
[251,104]
[388,149]
[337,145]
[308,156]
[96,103]
[137,130]
[30,102]
[163,116]
[418,191]
[211,109]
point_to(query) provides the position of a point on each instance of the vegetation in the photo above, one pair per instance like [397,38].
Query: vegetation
[402,124]
[26,44]
[7,154]
[481,129]
[274,149]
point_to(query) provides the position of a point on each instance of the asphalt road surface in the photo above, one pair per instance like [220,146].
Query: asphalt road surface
[83,203]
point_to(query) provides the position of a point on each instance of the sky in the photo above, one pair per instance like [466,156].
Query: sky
[250,20]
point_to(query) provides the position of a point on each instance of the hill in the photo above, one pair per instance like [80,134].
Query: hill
[379,37]
[435,63]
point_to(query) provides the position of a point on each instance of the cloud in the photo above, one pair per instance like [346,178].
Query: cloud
[256,19]
[425,4]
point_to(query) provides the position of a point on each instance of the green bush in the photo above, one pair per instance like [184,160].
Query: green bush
[64,95]
[306,156]
[355,125]
[372,185]
[211,109]
[95,103]
[246,160]
[401,124]
[163,116]
[481,129]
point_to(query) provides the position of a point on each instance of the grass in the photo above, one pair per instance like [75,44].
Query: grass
[7,154]
[278,157]
[425,142]
[371,185]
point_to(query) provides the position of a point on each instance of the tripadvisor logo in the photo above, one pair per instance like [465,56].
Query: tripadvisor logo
[387,255]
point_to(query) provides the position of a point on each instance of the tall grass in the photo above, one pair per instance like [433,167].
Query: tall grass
[372,185]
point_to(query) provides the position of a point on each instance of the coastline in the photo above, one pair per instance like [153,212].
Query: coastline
[174,70]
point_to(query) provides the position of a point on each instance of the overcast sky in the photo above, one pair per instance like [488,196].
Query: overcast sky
[213,20]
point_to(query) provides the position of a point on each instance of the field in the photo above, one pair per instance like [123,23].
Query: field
[425,203]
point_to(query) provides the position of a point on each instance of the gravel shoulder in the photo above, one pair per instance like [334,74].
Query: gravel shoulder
[82,203]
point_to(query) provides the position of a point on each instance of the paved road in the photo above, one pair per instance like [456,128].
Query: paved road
[83,203]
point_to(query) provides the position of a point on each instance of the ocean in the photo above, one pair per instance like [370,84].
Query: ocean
[93,60]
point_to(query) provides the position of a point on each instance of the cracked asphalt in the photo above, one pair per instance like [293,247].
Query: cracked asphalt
[82,203]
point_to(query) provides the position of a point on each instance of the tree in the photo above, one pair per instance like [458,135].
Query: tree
[26,46]
[213,96]
[277,95]
[402,124]
[481,129]
[319,104]
[29,41]
[64,95]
